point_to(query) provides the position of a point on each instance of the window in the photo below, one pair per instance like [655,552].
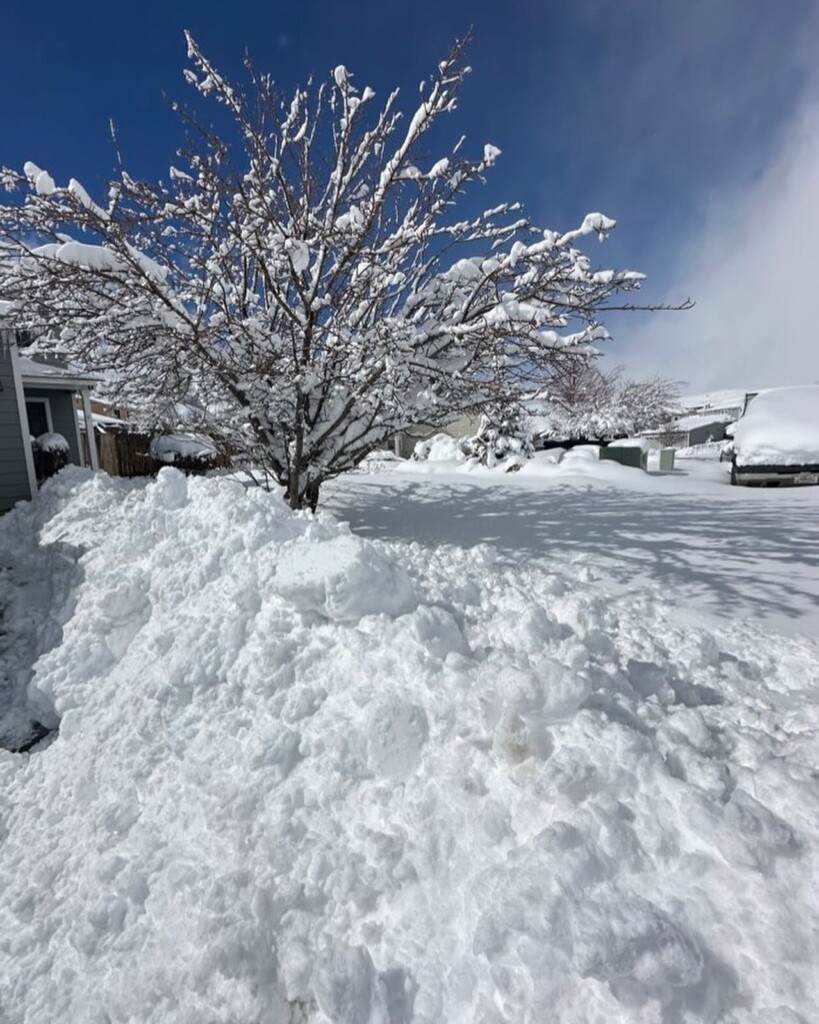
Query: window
[38,411]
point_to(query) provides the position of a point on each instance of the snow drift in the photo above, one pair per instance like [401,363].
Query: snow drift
[304,777]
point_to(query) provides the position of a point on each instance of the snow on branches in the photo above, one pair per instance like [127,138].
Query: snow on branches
[585,402]
[303,276]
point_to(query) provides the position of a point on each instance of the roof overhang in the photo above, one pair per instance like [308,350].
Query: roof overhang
[50,380]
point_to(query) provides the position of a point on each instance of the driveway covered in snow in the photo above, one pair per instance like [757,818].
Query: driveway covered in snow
[730,551]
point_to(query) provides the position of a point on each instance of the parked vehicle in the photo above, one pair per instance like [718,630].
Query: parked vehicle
[776,442]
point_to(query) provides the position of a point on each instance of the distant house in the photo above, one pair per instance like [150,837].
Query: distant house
[463,427]
[688,431]
[36,398]
[727,404]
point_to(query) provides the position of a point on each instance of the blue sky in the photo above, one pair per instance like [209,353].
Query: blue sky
[656,113]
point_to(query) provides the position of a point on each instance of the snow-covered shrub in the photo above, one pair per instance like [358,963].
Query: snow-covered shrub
[51,454]
[189,452]
[440,448]
[503,435]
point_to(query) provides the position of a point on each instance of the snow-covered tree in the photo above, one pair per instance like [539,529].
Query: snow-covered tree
[303,276]
[504,433]
[649,403]
[585,401]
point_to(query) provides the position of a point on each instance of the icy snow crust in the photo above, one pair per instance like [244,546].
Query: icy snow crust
[305,777]
[780,427]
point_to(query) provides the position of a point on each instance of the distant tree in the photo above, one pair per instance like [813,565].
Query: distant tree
[586,401]
[504,433]
[649,403]
[303,277]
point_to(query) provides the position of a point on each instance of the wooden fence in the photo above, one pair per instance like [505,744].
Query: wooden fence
[122,453]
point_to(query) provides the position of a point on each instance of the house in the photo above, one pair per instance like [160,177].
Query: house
[464,426]
[688,431]
[727,404]
[36,397]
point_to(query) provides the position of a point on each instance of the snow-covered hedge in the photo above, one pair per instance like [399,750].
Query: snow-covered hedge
[190,452]
[51,454]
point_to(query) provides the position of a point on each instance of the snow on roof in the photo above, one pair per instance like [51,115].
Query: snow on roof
[780,427]
[727,398]
[31,370]
[101,422]
[702,420]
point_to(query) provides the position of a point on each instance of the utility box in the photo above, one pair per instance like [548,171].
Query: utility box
[667,460]
[626,456]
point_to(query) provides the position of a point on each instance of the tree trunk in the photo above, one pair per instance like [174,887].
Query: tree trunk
[294,498]
[298,498]
[312,494]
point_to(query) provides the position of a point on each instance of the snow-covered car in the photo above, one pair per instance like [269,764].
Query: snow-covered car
[777,440]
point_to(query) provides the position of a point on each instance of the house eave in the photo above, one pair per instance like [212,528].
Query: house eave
[58,383]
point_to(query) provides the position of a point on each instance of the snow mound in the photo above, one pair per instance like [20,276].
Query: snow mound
[780,427]
[440,448]
[303,777]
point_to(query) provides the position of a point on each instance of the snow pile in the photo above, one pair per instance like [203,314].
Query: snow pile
[642,443]
[379,461]
[780,427]
[304,777]
[706,450]
[440,448]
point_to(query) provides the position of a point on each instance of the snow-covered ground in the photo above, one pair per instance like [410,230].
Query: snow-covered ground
[526,748]
[734,552]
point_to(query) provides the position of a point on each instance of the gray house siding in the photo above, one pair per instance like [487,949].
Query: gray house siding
[707,432]
[14,485]
[62,417]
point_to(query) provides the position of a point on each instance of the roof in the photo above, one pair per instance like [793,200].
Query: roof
[101,422]
[48,375]
[727,398]
[705,419]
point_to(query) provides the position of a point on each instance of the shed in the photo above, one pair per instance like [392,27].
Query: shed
[36,397]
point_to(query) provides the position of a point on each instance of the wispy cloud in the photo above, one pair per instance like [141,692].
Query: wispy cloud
[751,267]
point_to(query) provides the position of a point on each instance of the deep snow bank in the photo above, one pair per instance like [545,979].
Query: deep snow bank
[303,777]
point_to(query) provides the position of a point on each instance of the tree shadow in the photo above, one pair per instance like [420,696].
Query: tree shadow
[738,556]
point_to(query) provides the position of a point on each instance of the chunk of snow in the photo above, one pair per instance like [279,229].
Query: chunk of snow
[439,168]
[299,253]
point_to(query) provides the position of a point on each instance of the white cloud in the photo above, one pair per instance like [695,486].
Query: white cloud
[752,266]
